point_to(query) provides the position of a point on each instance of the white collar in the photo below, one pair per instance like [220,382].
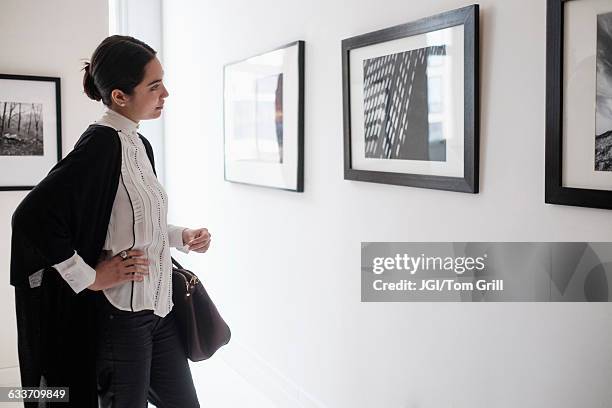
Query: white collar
[118,122]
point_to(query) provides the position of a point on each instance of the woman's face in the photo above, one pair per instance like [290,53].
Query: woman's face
[147,99]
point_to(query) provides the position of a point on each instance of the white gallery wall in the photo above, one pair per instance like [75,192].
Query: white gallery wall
[46,38]
[284,267]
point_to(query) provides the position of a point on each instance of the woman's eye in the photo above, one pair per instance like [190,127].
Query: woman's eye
[154,87]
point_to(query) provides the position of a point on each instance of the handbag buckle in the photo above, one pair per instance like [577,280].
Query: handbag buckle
[193,281]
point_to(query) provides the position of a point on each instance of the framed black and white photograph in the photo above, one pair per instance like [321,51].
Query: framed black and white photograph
[411,103]
[579,103]
[264,119]
[30,129]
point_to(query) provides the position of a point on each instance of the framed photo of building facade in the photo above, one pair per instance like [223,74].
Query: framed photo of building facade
[411,103]
[579,103]
[264,119]
[30,129]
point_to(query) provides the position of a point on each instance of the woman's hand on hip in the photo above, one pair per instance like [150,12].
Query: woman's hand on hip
[198,240]
[116,271]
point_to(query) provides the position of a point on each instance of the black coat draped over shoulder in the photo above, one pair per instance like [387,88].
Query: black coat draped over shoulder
[69,210]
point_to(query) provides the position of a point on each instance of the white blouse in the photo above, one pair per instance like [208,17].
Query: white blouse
[138,221]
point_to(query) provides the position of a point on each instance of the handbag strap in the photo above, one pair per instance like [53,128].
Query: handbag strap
[175,262]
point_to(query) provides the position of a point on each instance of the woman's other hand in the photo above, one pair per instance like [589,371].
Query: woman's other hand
[116,271]
[198,240]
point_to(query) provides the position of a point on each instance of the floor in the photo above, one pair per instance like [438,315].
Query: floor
[217,384]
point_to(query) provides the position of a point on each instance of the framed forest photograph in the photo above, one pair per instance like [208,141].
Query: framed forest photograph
[30,129]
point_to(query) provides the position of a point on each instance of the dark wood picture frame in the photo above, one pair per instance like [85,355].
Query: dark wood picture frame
[469,18]
[300,117]
[58,111]
[555,192]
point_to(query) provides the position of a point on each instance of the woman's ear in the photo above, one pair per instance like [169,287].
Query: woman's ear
[118,97]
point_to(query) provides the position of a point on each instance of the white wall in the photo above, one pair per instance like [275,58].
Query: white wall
[45,38]
[285,267]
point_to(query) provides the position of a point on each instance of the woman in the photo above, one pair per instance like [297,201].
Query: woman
[90,253]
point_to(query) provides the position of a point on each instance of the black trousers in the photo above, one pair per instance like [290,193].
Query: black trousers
[140,358]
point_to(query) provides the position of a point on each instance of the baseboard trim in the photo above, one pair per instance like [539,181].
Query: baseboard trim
[269,380]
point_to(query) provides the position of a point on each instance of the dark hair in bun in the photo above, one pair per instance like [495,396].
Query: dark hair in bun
[117,63]
[88,84]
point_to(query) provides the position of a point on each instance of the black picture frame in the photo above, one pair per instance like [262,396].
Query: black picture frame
[57,128]
[469,183]
[555,192]
[298,186]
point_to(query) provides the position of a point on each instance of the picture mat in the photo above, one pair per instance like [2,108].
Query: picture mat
[282,175]
[579,92]
[453,38]
[30,170]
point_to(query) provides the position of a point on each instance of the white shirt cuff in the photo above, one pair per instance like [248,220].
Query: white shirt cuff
[76,272]
[175,238]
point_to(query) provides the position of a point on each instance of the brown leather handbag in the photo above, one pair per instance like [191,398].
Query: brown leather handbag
[201,327]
